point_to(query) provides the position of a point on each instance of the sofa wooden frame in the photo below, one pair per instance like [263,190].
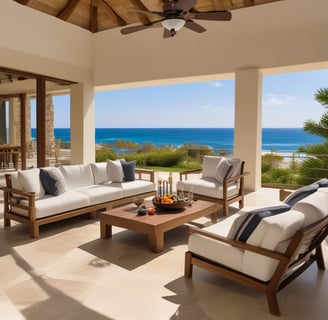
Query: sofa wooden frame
[13,196]
[225,201]
[303,249]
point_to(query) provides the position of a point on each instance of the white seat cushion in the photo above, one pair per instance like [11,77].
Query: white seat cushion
[207,187]
[101,193]
[78,175]
[50,205]
[215,250]
[130,188]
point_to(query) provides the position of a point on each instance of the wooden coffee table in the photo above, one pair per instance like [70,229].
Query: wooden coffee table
[154,226]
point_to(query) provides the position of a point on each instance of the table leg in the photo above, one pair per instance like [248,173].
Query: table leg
[214,217]
[156,240]
[105,230]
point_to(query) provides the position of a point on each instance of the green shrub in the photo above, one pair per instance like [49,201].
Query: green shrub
[278,175]
[105,153]
[312,169]
[139,157]
[164,158]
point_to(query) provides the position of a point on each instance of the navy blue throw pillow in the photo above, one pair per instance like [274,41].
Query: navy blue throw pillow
[128,170]
[53,181]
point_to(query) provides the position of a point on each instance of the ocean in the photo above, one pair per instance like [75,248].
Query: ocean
[285,140]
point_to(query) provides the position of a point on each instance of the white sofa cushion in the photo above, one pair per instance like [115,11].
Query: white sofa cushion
[130,188]
[314,207]
[114,170]
[101,193]
[99,171]
[208,187]
[269,234]
[78,175]
[209,166]
[30,182]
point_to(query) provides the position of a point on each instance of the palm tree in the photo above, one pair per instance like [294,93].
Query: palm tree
[316,166]
[319,128]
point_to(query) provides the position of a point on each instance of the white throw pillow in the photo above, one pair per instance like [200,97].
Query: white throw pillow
[99,171]
[114,171]
[222,169]
[30,182]
[236,167]
[209,166]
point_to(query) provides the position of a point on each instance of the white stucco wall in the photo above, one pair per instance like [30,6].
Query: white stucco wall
[38,43]
[280,34]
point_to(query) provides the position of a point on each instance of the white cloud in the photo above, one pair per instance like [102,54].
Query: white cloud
[216,84]
[272,99]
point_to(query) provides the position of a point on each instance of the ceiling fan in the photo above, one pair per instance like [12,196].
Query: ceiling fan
[177,14]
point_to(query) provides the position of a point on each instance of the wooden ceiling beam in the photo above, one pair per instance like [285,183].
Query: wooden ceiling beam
[29,75]
[110,12]
[140,6]
[23,2]
[93,17]
[249,3]
[66,12]
[222,4]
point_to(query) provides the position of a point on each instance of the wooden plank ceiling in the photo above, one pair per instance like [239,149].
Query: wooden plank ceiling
[99,15]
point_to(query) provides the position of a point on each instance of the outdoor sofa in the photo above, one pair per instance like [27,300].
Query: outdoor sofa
[39,196]
[265,248]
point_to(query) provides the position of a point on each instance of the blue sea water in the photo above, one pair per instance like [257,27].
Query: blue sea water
[281,140]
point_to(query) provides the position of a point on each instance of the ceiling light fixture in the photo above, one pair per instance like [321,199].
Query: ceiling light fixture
[173,24]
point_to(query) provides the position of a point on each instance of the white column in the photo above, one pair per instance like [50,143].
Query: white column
[248,124]
[82,124]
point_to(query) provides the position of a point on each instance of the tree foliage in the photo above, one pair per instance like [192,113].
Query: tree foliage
[316,166]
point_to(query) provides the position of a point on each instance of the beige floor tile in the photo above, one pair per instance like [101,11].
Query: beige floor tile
[70,273]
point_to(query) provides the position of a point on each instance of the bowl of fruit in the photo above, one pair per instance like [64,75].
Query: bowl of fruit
[170,202]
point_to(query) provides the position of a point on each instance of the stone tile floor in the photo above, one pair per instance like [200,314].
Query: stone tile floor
[70,273]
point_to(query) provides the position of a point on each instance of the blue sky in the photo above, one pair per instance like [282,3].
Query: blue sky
[288,100]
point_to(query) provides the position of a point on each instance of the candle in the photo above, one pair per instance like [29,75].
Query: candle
[160,187]
[170,182]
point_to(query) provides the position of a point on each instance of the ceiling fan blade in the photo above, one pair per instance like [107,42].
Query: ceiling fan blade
[212,15]
[194,26]
[129,30]
[159,13]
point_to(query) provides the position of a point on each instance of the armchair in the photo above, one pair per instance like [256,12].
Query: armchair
[284,243]
[221,180]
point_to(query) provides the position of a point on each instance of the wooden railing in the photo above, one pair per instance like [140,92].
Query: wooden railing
[9,156]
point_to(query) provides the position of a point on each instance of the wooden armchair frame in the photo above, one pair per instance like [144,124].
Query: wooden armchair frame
[225,201]
[303,249]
